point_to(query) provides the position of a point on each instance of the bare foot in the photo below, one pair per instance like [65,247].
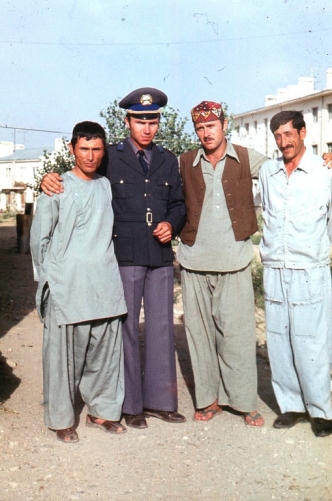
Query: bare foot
[253,418]
[207,413]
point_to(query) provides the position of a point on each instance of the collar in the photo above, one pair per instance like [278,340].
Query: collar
[305,165]
[230,152]
[134,147]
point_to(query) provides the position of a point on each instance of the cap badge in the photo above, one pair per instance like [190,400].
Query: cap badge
[146,100]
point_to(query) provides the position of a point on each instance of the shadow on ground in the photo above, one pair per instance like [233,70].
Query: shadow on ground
[17,299]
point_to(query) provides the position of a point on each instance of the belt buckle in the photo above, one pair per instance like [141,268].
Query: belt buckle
[149,218]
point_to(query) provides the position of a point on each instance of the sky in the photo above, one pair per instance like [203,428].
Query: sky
[63,61]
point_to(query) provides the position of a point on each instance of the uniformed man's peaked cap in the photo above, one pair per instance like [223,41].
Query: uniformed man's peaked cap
[145,102]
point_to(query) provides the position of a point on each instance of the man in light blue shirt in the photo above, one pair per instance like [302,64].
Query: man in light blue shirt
[296,197]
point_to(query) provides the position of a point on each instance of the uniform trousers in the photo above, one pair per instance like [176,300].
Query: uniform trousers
[87,356]
[298,327]
[219,316]
[157,388]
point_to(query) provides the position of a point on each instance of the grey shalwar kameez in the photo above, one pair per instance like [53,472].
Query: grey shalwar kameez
[218,297]
[80,298]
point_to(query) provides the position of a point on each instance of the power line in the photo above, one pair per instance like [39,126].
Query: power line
[120,138]
[34,130]
[108,44]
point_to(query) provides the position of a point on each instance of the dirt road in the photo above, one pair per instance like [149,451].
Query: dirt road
[222,460]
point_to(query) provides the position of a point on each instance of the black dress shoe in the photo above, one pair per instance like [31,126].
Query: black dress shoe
[169,417]
[321,427]
[136,421]
[289,419]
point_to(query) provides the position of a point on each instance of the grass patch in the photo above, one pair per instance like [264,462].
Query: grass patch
[7,216]
[257,280]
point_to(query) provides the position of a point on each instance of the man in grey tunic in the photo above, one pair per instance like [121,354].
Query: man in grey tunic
[215,254]
[80,295]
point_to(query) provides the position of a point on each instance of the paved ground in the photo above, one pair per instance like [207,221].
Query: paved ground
[222,460]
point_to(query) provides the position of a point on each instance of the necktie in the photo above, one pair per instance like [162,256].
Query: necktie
[143,163]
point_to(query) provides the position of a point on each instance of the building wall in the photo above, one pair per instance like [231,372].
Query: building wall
[252,129]
[14,176]
[17,170]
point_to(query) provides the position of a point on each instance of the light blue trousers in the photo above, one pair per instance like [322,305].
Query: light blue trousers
[298,327]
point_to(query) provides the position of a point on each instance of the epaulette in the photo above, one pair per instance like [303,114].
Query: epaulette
[160,148]
[120,146]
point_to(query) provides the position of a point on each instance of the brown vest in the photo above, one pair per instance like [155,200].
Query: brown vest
[237,185]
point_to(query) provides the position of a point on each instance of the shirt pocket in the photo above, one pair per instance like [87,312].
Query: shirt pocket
[123,187]
[306,297]
[163,187]
[123,242]
[275,304]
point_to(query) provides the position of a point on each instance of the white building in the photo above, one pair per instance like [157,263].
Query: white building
[252,128]
[18,166]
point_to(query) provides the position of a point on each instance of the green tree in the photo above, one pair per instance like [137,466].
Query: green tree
[59,162]
[114,118]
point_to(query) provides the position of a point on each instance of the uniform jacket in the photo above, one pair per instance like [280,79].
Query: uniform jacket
[140,203]
[237,185]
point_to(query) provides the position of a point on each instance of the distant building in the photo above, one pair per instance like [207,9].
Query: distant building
[18,166]
[252,128]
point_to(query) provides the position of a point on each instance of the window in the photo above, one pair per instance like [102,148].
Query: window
[315,149]
[315,115]
[329,147]
[329,109]
[255,126]
[8,172]
[246,126]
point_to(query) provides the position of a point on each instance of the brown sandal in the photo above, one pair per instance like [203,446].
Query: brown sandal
[109,426]
[69,435]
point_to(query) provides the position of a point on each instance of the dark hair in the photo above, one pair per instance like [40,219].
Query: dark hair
[284,117]
[88,130]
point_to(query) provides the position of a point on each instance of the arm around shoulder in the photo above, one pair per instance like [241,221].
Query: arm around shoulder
[51,183]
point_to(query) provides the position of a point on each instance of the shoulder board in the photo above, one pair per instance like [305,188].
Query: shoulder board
[120,146]
[160,148]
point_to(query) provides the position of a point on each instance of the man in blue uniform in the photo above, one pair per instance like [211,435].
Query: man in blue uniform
[148,210]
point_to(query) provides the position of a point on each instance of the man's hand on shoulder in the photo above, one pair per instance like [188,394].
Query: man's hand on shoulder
[163,232]
[327,157]
[51,183]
